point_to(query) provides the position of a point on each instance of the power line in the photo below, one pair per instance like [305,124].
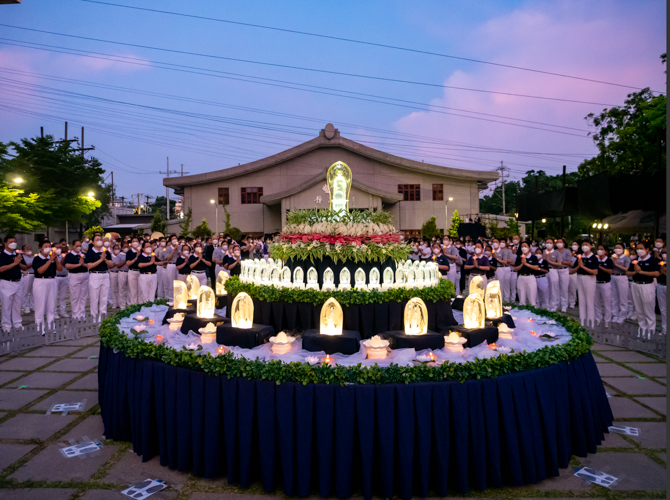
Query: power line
[362,42]
[301,68]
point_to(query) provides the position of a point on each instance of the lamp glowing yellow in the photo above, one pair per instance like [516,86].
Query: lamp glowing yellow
[206,301]
[473,312]
[193,286]
[493,300]
[221,283]
[331,318]
[416,317]
[339,179]
[477,287]
[242,311]
[180,294]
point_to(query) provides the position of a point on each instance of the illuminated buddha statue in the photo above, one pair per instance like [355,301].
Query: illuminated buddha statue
[193,286]
[180,294]
[388,279]
[206,302]
[242,311]
[328,280]
[286,277]
[359,279]
[374,279]
[298,278]
[312,279]
[331,318]
[416,317]
[473,311]
[477,287]
[221,283]
[345,279]
[493,300]
[339,185]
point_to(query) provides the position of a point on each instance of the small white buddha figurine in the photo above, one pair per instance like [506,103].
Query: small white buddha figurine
[345,280]
[298,278]
[400,276]
[477,286]
[359,279]
[286,277]
[388,279]
[328,280]
[221,283]
[193,285]
[206,302]
[180,294]
[374,279]
[312,279]
[473,311]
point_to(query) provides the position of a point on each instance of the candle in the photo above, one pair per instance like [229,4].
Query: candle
[493,346]
[328,360]
[221,349]
[159,339]
[150,322]
[530,320]
[533,333]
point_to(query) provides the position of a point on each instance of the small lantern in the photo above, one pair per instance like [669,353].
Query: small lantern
[208,334]
[493,300]
[242,311]
[176,321]
[312,279]
[193,285]
[331,318]
[328,280]
[454,342]
[206,302]
[298,278]
[281,344]
[359,279]
[374,279]
[504,332]
[377,347]
[473,311]
[416,317]
[388,279]
[345,279]
[159,339]
[221,283]
[180,294]
[477,286]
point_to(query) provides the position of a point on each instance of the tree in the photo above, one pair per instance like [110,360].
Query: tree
[513,227]
[202,230]
[492,204]
[455,222]
[158,223]
[160,203]
[20,213]
[90,232]
[104,196]
[630,138]
[57,174]
[233,232]
[185,225]
[429,229]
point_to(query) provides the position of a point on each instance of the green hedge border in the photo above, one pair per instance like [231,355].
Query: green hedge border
[444,290]
[304,373]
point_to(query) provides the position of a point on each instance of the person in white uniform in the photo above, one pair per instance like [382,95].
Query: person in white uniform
[11,289]
[148,282]
[514,276]
[119,260]
[526,266]
[132,257]
[455,263]
[586,268]
[45,265]
[28,302]
[77,279]
[603,302]
[506,260]
[662,291]
[99,262]
[171,266]
[572,284]
[62,281]
[619,284]
[644,270]
[542,280]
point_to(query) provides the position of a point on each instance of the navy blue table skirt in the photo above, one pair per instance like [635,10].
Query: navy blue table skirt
[387,440]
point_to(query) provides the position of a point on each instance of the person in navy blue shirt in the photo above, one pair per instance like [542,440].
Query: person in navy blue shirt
[586,266]
[234,262]
[133,271]
[99,262]
[603,300]
[199,264]
[493,263]
[78,276]
[147,264]
[643,270]
[45,266]
[477,264]
[11,291]
[182,265]
[662,291]
[440,259]
[542,280]
[525,266]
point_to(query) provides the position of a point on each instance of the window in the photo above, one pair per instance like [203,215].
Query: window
[438,192]
[251,195]
[410,192]
[224,196]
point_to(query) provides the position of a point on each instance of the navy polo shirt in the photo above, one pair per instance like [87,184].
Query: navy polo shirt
[649,265]
[93,256]
[543,265]
[442,260]
[71,258]
[144,258]
[589,262]
[493,263]
[602,276]
[14,274]
[199,267]
[661,278]
[481,261]
[237,270]
[38,262]
[525,270]
[130,255]
[187,268]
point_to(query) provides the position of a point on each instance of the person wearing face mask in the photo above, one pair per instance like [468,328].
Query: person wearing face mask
[98,260]
[234,263]
[493,263]
[118,277]
[561,266]
[658,248]
[572,284]
[425,251]
[643,270]
[619,284]
[477,265]
[132,257]
[44,286]
[542,280]
[77,279]
[553,259]
[513,275]
[199,264]
[162,251]
[603,300]
[147,264]
[441,260]
[586,267]
[207,252]
[525,266]
[85,244]
[11,290]
[451,252]
[661,290]
[27,301]
[62,281]
[182,265]
[506,259]
[218,256]
[170,260]
[463,274]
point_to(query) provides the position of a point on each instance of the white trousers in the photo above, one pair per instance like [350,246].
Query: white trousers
[61,292]
[182,277]
[122,283]
[202,277]
[619,298]
[553,288]
[160,282]
[11,295]
[503,276]
[28,301]
[527,288]
[78,293]
[114,288]
[148,284]
[453,276]
[543,293]
[563,286]
[603,303]
[134,287]
[586,288]
[44,290]
[631,304]
[513,285]
[170,276]
[98,290]
[644,296]
[661,294]
[572,291]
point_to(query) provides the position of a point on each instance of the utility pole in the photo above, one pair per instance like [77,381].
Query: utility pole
[565,197]
[502,170]
[123,201]
[42,132]
[167,188]
[138,200]
[148,197]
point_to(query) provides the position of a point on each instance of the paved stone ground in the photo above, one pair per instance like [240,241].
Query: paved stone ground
[32,467]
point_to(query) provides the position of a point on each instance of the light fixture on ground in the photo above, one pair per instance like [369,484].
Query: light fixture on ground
[332,318]
[242,311]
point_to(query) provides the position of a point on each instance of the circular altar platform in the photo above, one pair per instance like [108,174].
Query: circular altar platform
[381,439]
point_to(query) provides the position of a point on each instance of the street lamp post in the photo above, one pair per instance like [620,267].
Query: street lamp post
[216,207]
[446,216]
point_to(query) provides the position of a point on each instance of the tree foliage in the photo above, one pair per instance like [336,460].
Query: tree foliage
[185,224]
[20,212]
[158,223]
[455,222]
[90,232]
[202,230]
[160,203]
[429,229]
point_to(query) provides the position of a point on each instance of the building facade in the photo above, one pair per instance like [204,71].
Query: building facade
[259,194]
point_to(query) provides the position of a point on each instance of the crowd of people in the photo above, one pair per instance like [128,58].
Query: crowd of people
[609,285]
